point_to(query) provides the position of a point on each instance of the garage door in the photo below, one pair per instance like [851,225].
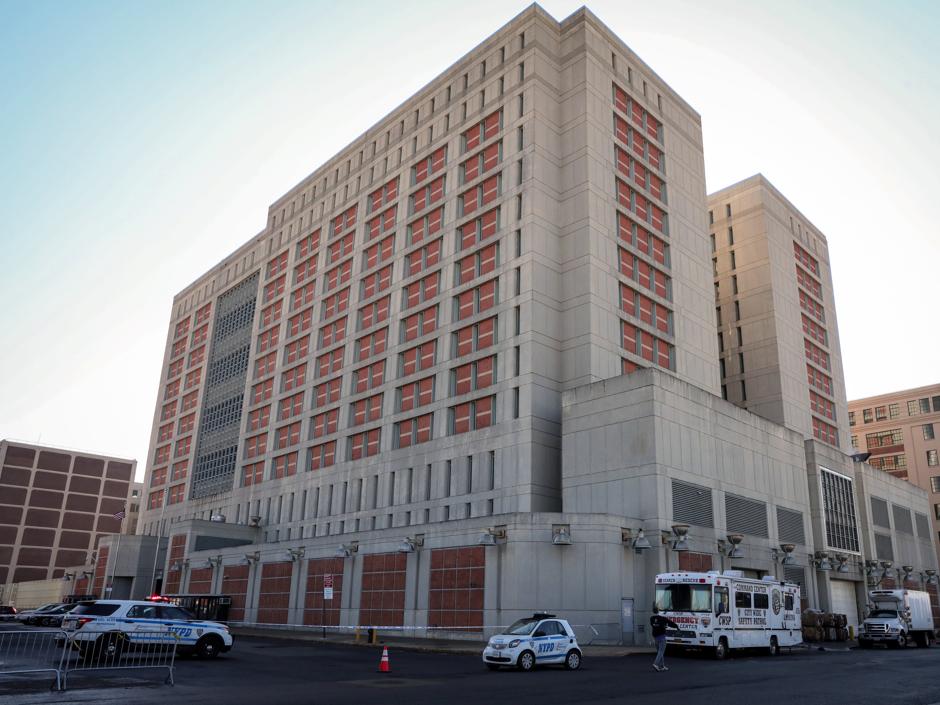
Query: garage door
[844,600]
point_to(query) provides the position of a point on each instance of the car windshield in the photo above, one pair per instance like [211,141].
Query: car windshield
[684,598]
[46,608]
[883,613]
[522,627]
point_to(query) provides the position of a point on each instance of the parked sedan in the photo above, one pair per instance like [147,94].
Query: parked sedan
[54,617]
[7,613]
[33,616]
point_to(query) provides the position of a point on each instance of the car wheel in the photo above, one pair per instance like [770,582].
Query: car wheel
[493,666]
[526,661]
[573,660]
[109,647]
[902,641]
[774,646]
[209,646]
[721,650]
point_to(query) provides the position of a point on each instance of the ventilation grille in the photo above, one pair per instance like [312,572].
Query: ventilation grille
[217,446]
[747,516]
[790,526]
[879,513]
[883,549]
[795,574]
[692,504]
[923,525]
[902,519]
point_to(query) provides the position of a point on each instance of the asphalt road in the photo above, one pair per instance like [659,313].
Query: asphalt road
[282,672]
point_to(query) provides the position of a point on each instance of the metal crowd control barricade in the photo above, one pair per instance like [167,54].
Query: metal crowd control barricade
[32,652]
[144,648]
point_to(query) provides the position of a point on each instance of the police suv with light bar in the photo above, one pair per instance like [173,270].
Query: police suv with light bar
[107,627]
[724,611]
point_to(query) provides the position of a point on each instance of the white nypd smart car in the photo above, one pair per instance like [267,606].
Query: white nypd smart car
[531,641]
[108,627]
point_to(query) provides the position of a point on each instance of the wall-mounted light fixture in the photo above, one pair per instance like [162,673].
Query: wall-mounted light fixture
[561,535]
[491,536]
[345,550]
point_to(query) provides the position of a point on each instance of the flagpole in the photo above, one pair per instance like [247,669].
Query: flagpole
[156,550]
[117,551]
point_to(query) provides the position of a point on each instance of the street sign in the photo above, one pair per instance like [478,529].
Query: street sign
[328,586]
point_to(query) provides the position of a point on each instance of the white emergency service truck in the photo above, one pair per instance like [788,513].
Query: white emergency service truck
[896,618]
[724,611]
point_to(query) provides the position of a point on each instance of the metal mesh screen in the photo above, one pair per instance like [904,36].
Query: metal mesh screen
[747,516]
[692,504]
[902,519]
[839,505]
[923,525]
[795,574]
[883,548]
[217,447]
[790,526]
[879,513]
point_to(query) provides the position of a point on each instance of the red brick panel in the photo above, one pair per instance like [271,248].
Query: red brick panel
[171,586]
[934,603]
[316,610]
[455,599]
[274,595]
[382,602]
[100,568]
[695,562]
[82,585]
[200,581]
[235,585]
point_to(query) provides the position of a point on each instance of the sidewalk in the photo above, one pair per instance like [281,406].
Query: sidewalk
[449,646]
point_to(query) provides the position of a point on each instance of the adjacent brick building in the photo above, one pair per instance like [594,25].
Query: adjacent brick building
[900,430]
[54,506]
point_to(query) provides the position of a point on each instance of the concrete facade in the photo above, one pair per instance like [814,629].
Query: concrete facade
[470,359]
[564,223]
[900,431]
[778,331]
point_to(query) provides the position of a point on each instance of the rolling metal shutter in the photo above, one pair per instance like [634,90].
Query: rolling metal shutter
[883,547]
[879,513]
[692,504]
[790,526]
[795,574]
[747,516]
[844,600]
[902,519]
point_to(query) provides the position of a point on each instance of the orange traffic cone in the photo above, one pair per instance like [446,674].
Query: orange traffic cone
[383,664]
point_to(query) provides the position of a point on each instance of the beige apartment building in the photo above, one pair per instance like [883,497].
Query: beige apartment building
[469,367]
[900,431]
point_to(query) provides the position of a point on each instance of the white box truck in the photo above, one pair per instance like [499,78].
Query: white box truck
[896,618]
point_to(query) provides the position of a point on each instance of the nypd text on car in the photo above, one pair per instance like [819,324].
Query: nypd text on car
[536,640]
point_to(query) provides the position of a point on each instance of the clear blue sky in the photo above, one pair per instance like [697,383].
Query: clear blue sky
[141,142]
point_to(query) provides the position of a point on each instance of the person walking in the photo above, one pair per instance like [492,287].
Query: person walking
[659,625]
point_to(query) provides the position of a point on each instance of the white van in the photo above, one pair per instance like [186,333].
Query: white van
[724,611]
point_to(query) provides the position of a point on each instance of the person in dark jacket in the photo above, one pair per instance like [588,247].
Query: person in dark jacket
[659,625]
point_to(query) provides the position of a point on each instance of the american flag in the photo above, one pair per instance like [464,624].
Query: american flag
[120,515]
